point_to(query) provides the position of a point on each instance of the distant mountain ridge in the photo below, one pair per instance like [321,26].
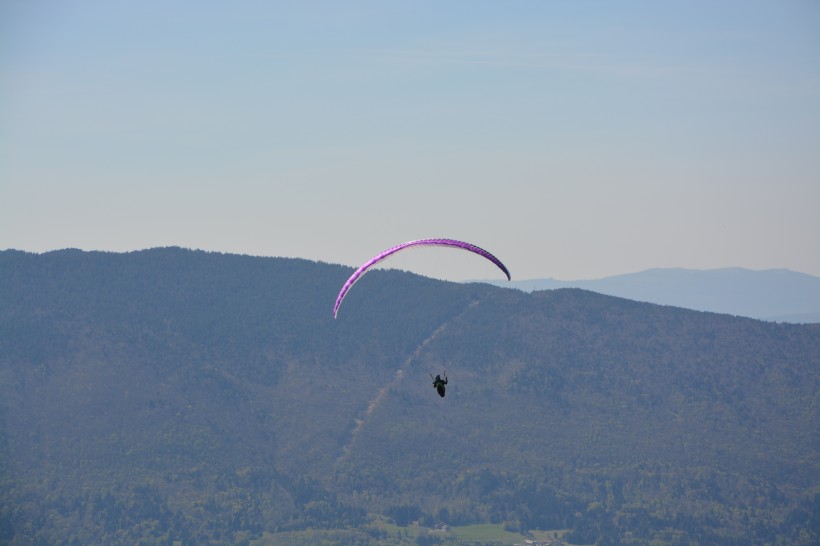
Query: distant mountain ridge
[778,295]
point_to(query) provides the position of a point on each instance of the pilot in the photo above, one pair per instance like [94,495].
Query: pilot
[439,383]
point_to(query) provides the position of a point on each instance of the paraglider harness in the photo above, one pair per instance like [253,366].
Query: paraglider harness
[439,383]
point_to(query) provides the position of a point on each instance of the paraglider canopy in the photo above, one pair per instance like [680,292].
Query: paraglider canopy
[451,243]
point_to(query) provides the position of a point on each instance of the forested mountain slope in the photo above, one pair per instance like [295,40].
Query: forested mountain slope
[171,394]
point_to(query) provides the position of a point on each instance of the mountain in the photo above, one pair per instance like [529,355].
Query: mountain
[776,295]
[175,395]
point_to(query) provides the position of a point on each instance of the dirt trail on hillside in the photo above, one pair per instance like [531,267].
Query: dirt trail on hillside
[397,377]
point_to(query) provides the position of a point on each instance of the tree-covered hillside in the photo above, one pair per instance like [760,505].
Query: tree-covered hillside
[171,394]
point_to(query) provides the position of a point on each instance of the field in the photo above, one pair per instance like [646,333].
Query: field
[383,532]
[494,533]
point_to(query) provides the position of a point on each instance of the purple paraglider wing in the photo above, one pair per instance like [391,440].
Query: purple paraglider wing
[421,242]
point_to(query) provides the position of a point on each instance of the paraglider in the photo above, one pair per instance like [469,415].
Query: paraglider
[452,243]
[439,383]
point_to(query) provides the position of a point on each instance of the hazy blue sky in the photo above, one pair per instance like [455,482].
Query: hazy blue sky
[573,139]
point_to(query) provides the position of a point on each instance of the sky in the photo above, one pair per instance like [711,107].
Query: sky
[572,139]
